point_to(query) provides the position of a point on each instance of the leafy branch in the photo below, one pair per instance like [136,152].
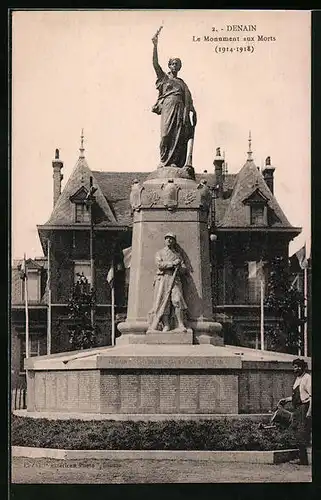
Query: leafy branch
[82,335]
[284,301]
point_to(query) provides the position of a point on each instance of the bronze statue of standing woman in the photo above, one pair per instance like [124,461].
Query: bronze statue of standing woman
[178,115]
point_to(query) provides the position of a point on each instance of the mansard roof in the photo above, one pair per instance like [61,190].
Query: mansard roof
[113,191]
[116,187]
[63,214]
[39,264]
[35,263]
[249,184]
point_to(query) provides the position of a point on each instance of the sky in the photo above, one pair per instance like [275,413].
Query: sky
[93,70]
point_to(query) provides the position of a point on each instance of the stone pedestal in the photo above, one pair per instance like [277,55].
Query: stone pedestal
[173,337]
[160,380]
[171,201]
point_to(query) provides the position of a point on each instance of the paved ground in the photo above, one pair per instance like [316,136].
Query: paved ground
[26,470]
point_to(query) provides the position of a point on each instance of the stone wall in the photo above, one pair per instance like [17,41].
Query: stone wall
[256,388]
[168,391]
[261,389]
[67,391]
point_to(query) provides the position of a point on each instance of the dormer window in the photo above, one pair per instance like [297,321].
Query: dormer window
[81,213]
[33,271]
[257,208]
[257,215]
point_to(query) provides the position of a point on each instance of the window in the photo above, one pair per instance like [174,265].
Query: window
[33,284]
[82,267]
[37,347]
[257,215]
[254,291]
[239,284]
[81,213]
[255,273]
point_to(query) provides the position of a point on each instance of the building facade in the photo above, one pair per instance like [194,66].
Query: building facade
[247,229]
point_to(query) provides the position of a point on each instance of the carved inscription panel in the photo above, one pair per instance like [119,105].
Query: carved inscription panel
[110,394]
[149,393]
[189,393]
[129,395]
[168,393]
[209,393]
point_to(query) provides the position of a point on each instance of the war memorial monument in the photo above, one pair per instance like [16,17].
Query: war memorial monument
[170,359]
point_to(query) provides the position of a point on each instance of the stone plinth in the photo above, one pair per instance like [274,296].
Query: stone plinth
[159,379]
[171,201]
[136,379]
[173,337]
[158,337]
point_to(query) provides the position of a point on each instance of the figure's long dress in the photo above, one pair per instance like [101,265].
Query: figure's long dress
[174,103]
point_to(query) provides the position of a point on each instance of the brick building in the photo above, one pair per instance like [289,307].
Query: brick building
[246,226]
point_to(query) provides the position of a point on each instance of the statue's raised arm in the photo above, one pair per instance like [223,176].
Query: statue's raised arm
[157,68]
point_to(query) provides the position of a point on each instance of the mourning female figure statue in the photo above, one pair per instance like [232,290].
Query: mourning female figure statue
[178,116]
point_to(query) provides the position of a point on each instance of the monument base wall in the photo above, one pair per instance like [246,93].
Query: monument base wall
[162,379]
[135,391]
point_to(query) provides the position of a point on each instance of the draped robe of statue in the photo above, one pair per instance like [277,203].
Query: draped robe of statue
[164,260]
[174,105]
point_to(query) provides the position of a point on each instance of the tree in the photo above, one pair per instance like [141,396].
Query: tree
[81,333]
[284,301]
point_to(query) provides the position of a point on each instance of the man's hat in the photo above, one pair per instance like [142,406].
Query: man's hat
[170,235]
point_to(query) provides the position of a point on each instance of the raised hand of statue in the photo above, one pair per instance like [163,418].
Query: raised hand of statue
[176,263]
[155,37]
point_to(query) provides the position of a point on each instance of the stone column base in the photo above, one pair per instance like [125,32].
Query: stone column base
[207,332]
[172,337]
[198,332]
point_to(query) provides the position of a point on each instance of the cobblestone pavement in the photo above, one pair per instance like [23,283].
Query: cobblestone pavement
[25,470]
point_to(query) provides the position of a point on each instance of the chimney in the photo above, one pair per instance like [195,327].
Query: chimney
[218,165]
[57,177]
[268,174]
